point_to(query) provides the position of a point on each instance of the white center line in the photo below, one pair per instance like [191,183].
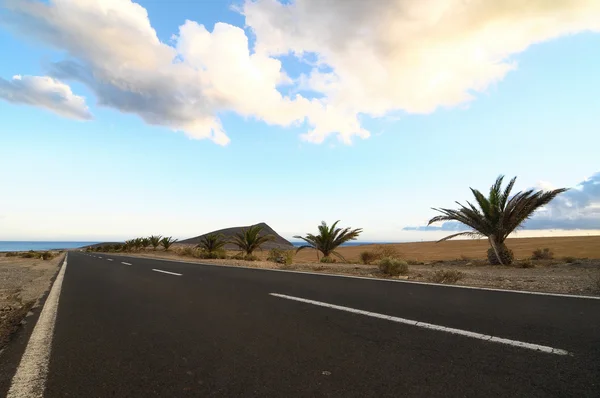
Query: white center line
[30,377]
[109,259]
[167,272]
[466,333]
[99,257]
[125,263]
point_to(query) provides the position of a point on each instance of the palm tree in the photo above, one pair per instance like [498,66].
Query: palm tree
[212,242]
[129,244]
[497,216]
[250,239]
[155,241]
[145,242]
[167,242]
[329,239]
[137,243]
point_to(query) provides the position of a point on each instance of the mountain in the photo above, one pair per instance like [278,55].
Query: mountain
[278,243]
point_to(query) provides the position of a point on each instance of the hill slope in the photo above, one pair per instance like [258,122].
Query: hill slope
[278,243]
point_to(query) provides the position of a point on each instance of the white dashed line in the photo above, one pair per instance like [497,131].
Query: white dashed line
[167,272]
[109,259]
[29,380]
[125,263]
[466,333]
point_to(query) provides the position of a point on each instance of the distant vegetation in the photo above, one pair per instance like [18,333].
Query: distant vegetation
[495,217]
[498,216]
[45,255]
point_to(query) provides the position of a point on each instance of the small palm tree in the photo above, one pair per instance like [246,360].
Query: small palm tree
[137,243]
[154,241]
[212,242]
[145,242]
[128,246]
[329,239]
[250,239]
[497,216]
[167,242]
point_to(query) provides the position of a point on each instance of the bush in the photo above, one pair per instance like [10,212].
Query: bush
[250,257]
[414,262]
[446,276]
[11,254]
[544,254]
[328,260]
[569,259]
[526,264]
[384,251]
[393,266]
[367,257]
[187,251]
[31,254]
[281,256]
[47,256]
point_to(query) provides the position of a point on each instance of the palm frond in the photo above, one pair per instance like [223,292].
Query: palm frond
[499,214]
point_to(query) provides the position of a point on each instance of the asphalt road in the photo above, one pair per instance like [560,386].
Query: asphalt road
[201,331]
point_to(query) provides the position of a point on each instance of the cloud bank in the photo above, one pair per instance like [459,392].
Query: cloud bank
[367,58]
[44,92]
[578,208]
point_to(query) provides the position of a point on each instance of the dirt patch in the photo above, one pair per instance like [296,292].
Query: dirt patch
[22,282]
[581,277]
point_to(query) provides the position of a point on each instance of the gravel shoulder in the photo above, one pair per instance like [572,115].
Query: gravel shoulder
[23,281]
[581,277]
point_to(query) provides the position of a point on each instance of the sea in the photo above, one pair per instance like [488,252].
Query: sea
[22,246]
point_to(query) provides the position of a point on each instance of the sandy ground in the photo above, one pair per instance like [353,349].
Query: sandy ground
[22,282]
[552,276]
[576,246]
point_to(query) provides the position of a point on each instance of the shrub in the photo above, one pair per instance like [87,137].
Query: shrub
[250,257]
[414,262]
[31,254]
[11,254]
[367,257]
[526,264]
[393,266]
[569,259]
[47,256]
[281,256]
[446,276]
[383,251]
[186,251]
[544,254]
[239,256]
[328,260]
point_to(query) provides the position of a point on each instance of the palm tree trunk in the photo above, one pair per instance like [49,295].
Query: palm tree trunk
[494,245]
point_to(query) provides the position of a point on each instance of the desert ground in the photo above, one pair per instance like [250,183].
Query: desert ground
[575,246]
[575,268]
[23,281]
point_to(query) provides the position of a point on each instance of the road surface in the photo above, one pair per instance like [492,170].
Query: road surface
[133,327]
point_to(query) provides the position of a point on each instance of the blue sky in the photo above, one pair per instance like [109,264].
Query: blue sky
[140,154]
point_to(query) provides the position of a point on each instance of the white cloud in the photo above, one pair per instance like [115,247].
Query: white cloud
[373,57]
[410,55]
[44,92]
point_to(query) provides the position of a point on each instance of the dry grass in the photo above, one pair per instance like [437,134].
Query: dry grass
[571,246]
